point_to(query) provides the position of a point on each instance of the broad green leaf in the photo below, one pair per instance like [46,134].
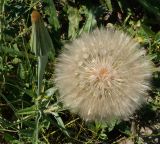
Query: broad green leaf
[50,91]
[74,19]
[108,4]
[21,71]
[51,11]
[90,20]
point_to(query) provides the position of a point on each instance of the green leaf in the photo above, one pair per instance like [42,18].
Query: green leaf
[60,123]
[28,132]
[108,4]
[27,111]
[90,20]
[103,136]
[50,91]
[42,61]
[148,31]
[8,137]
[51,11]
[21,71]
[74,19]
[152,6]
[41,43]
[157,37]
[8,102]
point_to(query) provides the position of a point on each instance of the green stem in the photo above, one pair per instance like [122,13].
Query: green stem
[36,132]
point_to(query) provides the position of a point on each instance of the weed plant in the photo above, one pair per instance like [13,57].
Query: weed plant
[22,121]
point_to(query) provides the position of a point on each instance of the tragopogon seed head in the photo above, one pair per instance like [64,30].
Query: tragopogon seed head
[103,75]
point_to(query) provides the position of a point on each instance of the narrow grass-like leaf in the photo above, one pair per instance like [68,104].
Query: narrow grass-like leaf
[8,102]
[152,6]
[42,61]
[157,38]
[60,123]
[27,111]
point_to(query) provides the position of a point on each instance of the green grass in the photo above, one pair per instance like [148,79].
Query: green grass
[21,121]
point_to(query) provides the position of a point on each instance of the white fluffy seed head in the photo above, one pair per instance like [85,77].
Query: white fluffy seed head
[103,75]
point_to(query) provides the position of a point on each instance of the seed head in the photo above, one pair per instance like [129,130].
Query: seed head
[103,75]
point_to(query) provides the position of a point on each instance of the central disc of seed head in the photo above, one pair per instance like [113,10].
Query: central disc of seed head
[100,74]
[103,72]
